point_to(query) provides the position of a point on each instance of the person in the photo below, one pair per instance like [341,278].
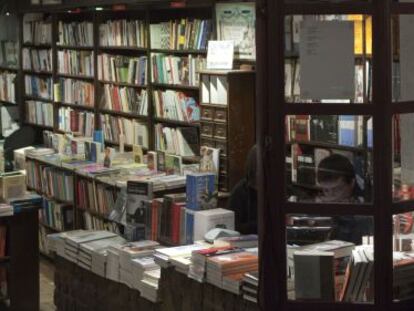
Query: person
[243,197]
[336,177]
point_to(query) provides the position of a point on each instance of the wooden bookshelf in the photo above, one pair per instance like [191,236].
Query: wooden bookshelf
[176,122]
[41,99]
[76,77]
[76,106]
[6,103]
[130,115]
[123,84]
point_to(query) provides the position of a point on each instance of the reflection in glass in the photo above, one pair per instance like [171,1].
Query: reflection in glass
[403,150]
[330,258]
[328,159]
[403,257]
[337,48]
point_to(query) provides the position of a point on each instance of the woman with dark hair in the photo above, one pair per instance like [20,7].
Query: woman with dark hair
[336,177]
[243,198]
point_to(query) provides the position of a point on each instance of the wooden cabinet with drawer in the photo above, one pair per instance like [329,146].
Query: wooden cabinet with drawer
[228,120]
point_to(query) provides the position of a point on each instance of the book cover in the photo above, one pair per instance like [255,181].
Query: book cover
[201,191]
[137,193]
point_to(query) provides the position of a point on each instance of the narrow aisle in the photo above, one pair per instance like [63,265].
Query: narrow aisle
[47,285]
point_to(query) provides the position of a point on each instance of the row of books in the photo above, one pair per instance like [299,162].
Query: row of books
[176,106]
[332,129]
[78,63]
[37,32]
[76,92]
[130,131]
[125,99]
[56,215]
[37,59]
[52,182]
[126,33]
[40,113]
[122,69]
[179,70]
[74,121]
[75,33]
[9,53]
[43,240]
[363,83]
[111,257]
[8,87]
[223,264]
[181,141]
[183,34]
[39,87]
[95,197]
[91,222]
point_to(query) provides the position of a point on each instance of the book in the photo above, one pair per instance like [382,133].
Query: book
[76,121]
[314,275]
[201,191]
[173,164]
[125,99]
[181,141]
[137,193]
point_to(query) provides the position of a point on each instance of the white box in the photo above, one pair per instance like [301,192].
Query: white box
[206,220]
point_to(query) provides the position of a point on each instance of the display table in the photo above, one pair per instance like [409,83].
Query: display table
[79,289]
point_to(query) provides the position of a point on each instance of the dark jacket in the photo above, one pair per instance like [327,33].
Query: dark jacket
[243,201]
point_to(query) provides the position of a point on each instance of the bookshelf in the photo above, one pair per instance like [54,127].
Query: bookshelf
[138,45]
[228,120]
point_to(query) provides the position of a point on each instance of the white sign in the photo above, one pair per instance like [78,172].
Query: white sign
[220,55]
[327,60]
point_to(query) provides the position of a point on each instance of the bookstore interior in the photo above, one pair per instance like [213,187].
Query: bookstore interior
[216,155]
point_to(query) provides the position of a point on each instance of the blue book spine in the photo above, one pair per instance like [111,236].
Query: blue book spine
[200,191]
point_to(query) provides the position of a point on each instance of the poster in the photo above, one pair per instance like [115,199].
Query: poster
[236,22]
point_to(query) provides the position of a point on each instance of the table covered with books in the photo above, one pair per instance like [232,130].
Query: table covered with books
[145,276]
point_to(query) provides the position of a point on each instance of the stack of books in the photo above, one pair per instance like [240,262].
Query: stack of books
[250,286]
[149,285]
[197,269]
[141,265]
[226,271]
[92,250]
[163,256]
[129,252]
[99,257]
[74,240]
[112,263]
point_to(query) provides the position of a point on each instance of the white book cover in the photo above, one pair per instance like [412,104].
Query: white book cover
[206,220]
[213,89]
